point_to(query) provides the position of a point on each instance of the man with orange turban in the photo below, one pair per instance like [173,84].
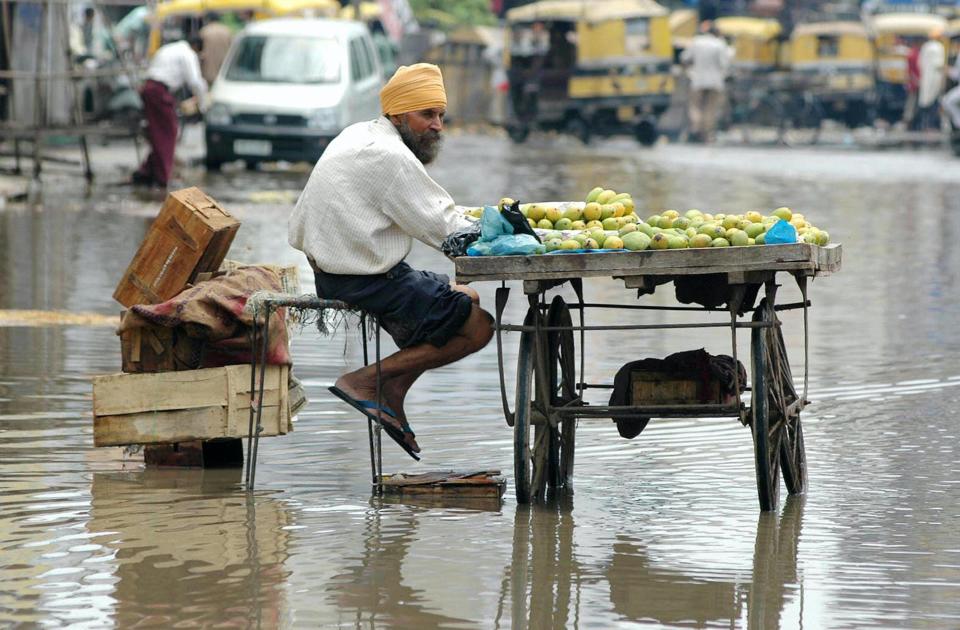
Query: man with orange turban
[367,198]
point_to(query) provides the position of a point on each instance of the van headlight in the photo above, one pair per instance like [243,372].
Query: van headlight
[218,115]
[325,118]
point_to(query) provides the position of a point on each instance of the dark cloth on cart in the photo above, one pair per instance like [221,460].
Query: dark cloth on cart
[413,306]
[214,310]
[690,363]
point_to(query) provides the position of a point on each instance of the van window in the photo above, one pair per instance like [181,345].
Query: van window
[371,54]
[276,59]
[360,64]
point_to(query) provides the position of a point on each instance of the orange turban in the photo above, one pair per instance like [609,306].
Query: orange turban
[412,88]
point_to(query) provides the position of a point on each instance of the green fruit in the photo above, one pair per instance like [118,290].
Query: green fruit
[739,238]
[611,223]
[783,213]
[755,229]
[681,223]
[660,241]
[696,222]
[563,224]
[693,213]
[591,244]
[673,214]
[620,197]
[720,242]
[761,239]
[628,204]
[613,242]
[750,241]
[636,241]
[742,225]
[552,234]
[654,220]
[532,223]
[810,237]
[665,222]
[599,236]
[646,229]
[823,238]
[627,228]
[712,230]
[535,212]
[700,240]
[605,197]
[552,244]
[594,224]
[730,221]
[690,232]
[552,214]
[578,225]
[570,244]
[580,238]
[607,210]
[678,242]
[545,224]
[593,194]
[573,213]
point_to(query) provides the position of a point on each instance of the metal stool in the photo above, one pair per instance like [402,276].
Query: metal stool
[264,305]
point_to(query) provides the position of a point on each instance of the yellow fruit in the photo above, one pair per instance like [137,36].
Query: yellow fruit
[665,222]
[720,242]
[627,228]
[628,204]
[553,214]
[594,224]
[573,213]
[631,218]
[593,194]
[753,216]
[620,197]
[783,213]
[730,221]
[570,244]
[618,209]
[535,212]
[578,225]
[606,211]
[591,212]
[545,224]
[563,224]
[605,197]
[552,244]
[505,202]
[673,214]
[700,240]
[739,238]
[532,223]
[613,242]
[660,241]
[591,244]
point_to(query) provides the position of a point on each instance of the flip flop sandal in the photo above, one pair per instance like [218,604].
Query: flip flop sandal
[368,408]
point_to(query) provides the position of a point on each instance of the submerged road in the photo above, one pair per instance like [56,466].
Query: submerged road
[662,531]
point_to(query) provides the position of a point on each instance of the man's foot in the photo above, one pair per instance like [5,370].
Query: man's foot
[364,391]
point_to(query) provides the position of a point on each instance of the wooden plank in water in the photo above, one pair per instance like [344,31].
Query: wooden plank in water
[448,484]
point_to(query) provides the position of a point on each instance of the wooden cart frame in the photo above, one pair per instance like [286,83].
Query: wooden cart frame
[549,394]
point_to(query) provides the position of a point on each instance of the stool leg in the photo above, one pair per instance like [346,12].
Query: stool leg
[253,411]
[263,373]
[370,426]
[379,481]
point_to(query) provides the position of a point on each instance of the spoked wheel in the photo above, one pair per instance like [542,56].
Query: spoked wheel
[775,419]
[561,357]
[526,359]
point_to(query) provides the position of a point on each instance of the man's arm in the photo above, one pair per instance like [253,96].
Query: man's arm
[420,206]
[194,78]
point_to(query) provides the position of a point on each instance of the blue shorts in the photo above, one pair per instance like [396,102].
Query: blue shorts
[413,306]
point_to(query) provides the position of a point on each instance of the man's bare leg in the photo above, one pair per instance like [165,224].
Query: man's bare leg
[400,370]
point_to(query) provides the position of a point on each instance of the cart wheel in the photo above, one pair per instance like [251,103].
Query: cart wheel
[526,358]
[563,390]
[777,435]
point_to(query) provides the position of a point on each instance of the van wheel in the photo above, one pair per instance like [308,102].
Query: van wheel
[646,133]
[250,165]
[213,165]
[578,128]
[518,133]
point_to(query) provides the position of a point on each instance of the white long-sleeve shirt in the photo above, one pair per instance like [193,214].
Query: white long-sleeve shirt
[709,58]
[176,64]
[366,200]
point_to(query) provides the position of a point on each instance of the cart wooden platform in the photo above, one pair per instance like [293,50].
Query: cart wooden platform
[550,389]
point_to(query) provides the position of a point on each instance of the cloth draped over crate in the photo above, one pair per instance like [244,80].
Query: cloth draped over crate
[213,310]
[697,364]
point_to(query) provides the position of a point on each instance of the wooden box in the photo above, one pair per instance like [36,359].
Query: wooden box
[186,405]
[191,235]
[670,388]
[158,349]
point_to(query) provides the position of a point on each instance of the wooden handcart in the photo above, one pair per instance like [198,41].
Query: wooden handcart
[550,396]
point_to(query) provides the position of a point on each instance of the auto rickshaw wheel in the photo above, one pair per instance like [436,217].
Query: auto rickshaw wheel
[518,133]
[645,132]
[577,127]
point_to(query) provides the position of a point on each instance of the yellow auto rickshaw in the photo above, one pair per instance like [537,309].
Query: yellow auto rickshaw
[471,58]
[683,28]
[192,11]
[755,41]
[588,68]
[839,59]
[894,34]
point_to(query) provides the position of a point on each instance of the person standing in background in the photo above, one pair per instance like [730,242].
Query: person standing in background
[912,84]
[708,60]
[216,38]
[933,59]
[173,66]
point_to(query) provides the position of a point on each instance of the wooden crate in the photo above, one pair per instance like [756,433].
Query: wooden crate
[158,349]
[669,388]
[186,405]
[191,235]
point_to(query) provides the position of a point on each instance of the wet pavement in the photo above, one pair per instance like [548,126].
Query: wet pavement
[662,531]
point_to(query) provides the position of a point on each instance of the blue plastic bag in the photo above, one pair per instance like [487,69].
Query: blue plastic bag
[492,224]
[516,245]
[781,232]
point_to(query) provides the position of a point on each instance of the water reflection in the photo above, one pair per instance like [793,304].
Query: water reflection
[188,536]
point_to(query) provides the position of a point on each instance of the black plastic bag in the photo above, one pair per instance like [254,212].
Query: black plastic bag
[519,222]
[456,244]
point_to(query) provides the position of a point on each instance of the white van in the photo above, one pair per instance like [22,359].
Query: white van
[287,87]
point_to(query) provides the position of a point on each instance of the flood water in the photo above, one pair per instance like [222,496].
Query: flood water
[661,531]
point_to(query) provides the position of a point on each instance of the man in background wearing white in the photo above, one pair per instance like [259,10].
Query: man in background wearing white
[708,58]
